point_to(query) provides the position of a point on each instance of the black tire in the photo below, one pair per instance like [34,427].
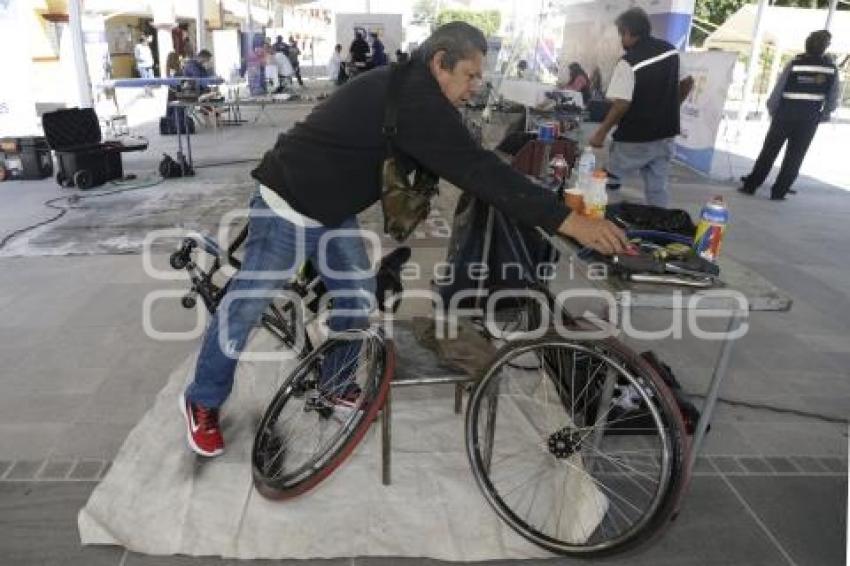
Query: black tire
[83,179]
[276,443]
[604,460]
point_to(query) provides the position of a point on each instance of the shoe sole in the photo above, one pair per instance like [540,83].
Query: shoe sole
[195,448]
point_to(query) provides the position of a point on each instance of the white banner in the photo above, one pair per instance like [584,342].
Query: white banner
[702,111]
[17,106]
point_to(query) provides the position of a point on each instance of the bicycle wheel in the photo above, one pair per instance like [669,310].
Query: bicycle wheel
[321,412]
[583,455]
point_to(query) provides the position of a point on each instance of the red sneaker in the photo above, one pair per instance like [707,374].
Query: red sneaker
[202,430]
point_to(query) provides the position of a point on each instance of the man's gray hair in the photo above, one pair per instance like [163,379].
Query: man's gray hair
[458,40]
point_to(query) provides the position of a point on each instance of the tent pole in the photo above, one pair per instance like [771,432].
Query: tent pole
[80,63]
[753,65]
[833,4]
[774,69]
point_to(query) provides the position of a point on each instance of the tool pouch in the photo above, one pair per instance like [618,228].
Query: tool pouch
[407,194]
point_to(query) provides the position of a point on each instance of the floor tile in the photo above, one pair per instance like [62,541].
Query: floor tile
[807,515]
[38,526]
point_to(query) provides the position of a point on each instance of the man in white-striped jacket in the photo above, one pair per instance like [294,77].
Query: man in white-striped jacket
[805,95]
[645,91]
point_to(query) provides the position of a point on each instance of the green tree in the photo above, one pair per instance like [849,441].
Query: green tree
[488,21]
[424,12]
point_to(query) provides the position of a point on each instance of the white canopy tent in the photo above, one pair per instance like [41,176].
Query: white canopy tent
[786,28]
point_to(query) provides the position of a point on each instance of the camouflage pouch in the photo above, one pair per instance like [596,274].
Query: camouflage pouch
[405,204]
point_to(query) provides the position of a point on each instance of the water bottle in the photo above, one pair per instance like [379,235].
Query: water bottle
[586,165]
[713,219]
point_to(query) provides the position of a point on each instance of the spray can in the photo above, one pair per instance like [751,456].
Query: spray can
[713,219]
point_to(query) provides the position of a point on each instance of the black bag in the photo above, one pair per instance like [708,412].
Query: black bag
[518,257]
[646,217]
[169,168]
[405,204]
[630,416]
[689,411]
[176,117]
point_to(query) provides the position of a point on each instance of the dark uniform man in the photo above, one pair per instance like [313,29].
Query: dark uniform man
[805,95]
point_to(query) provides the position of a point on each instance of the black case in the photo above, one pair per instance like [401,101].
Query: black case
[83,159]
[33,154]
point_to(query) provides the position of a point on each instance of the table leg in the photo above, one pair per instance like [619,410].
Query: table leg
[177,130]
[458,398]
[720,370]
[603,408]
[386,438]
[188,144]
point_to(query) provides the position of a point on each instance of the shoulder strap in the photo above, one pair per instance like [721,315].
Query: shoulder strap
[390,128]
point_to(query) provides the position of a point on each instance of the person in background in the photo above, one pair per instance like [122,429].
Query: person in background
[805,95]
[281,58]
[646,91]
[522,69]
[379,55]
[144,58]
[294,52]
[578,81]
[335,65]
[173,64]
[359,52]
[271,75]
[198,66]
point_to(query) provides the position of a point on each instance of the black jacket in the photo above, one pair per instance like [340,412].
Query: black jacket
[328,167]
[654,111]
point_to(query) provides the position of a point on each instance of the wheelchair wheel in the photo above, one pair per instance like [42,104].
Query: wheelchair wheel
[583,455]
[321,412]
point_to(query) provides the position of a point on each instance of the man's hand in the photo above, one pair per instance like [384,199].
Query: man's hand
[601,235]
[598,138]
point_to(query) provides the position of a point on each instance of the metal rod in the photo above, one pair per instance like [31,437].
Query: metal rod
[490,427]
[432,380]
[753,63]
[720,371]
[386,439]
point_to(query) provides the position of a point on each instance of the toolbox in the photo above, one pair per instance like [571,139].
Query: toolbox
[84,160]
[25,158]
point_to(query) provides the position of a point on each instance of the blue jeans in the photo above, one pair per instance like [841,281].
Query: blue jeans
[273,247]
[652,159]
[145,72]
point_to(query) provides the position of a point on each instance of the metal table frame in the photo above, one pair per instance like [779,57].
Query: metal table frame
[761,297]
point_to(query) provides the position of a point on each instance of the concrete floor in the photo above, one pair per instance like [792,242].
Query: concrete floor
[79,370]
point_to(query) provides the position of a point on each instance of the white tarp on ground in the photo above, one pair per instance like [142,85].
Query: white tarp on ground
[158,498]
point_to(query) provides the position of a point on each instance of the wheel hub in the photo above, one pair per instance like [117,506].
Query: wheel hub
[564,443]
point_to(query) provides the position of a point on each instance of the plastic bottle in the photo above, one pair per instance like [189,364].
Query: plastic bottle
[558,167]
[586,165]
[595,197]
[713,219]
